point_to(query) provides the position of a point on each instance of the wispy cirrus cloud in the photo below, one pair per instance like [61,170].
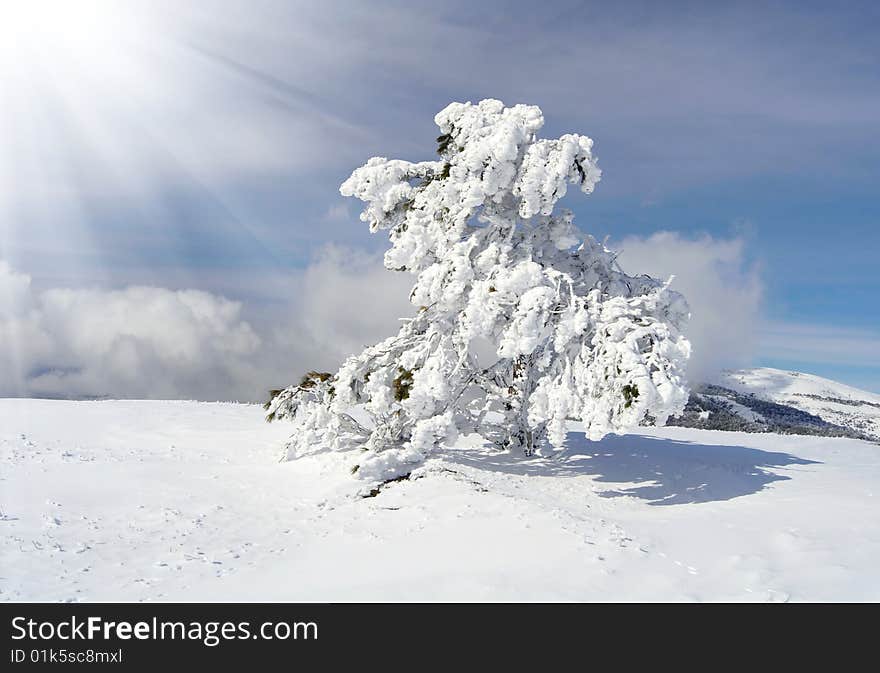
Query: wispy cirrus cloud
[820,344]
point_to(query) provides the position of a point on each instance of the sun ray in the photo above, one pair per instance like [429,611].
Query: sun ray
[107,134]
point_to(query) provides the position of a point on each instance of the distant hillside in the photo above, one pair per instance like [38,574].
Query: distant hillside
[772,400]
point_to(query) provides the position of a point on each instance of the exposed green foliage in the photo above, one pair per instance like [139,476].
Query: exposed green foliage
[443,143]
[630,393]
[309,379]
[402,384]
[307,382]
[272,395]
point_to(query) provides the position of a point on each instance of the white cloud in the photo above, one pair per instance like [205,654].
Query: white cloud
[154,342]
[723,291]
[15,291]
[135,342]
[338,213]
[343,301]
[351,300]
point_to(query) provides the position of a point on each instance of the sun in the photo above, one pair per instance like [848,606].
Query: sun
[110,112]
[47,42]
[66,69]
[63,27]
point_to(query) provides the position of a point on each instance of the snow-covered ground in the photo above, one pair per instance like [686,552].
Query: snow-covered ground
[128,500]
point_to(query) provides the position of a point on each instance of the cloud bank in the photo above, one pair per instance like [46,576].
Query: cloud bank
[155,342]
[152,342]
[723,290]
[135,342]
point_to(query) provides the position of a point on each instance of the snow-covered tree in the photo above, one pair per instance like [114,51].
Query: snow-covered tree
[523,323]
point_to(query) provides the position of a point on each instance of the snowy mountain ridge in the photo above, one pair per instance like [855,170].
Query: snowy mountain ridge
[785,402]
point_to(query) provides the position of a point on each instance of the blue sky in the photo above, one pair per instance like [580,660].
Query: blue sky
[201,146]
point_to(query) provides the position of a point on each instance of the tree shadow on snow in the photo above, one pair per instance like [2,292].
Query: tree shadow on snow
[659,470]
